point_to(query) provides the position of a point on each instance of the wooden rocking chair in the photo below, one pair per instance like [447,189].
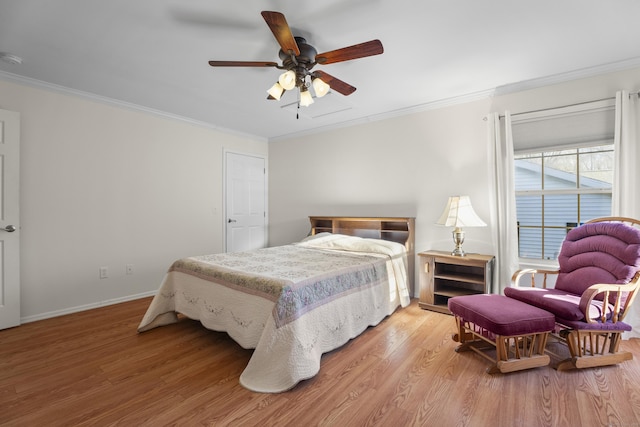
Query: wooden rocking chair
[597,281]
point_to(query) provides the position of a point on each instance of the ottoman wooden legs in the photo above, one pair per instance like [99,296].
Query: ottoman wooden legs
[512,330]
[512,353]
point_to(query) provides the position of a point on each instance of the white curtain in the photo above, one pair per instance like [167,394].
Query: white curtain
[626,201]
[503,220]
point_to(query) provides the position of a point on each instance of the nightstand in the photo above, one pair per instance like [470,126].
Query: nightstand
[443,276]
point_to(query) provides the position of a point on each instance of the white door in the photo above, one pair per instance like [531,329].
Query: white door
[9,216]
[245,208]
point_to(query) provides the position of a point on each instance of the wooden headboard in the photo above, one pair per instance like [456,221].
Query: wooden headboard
[395,229]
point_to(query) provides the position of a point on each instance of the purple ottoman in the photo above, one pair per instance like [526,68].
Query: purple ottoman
[517,331]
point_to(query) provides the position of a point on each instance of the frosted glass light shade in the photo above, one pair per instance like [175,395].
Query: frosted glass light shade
[460,213]
[305,98]
[320,87]
[287,80]
[276,91]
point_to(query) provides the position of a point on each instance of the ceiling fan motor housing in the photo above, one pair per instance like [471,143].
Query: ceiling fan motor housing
[302,63]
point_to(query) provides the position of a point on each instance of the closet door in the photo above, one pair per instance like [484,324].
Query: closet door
[245,207]
[9,219]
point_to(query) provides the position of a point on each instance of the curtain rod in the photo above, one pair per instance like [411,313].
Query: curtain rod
[561,106]
[569,105]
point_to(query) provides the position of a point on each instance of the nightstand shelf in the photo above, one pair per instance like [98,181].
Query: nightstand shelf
[443,276]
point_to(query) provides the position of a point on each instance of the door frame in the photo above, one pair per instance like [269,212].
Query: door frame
[224,193]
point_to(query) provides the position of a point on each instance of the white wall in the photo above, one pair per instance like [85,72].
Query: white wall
[408,165]
[109,186]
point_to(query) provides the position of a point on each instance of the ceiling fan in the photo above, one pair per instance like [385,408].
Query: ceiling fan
[298,58]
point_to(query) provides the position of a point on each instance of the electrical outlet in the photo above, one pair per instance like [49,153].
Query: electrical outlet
[104,272]
[128,268]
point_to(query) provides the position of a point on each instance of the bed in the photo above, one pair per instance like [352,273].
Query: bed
[290,303]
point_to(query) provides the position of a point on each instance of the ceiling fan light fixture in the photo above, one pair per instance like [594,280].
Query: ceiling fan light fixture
[305,97]
[287,80]
[298,58]
[320,87]
[276,91]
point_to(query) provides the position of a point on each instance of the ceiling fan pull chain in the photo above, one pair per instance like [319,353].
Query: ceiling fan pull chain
[298,112]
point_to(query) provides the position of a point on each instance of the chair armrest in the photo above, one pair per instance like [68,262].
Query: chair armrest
[515,279]
[607,290]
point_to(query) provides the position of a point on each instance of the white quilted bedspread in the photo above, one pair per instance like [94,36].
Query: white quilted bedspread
[290,303]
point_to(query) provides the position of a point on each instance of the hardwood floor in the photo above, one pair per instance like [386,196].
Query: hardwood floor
[92,368]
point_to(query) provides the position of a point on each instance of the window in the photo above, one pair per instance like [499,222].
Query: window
[556,191]
[563,173]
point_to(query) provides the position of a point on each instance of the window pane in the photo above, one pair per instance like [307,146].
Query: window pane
[529,210]
[596,169]
[528,173]
[597,149]
[560,209]
[530,242]
[594,206]
[561,171]
[553,238]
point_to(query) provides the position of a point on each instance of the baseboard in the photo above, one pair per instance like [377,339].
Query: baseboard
[80,308]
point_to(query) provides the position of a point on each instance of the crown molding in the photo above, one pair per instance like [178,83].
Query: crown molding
[39,84]
[432,105]
[462,99]
[568,76]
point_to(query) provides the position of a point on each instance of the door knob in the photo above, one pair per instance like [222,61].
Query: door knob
[230,221]
[9,228]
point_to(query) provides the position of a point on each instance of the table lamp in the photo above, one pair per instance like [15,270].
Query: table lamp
[459,213]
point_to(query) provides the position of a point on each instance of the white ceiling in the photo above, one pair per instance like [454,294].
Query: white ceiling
[154,53]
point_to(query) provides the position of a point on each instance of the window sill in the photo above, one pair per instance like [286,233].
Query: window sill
[539,264]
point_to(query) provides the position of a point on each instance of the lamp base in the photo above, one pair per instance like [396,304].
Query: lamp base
[458,239]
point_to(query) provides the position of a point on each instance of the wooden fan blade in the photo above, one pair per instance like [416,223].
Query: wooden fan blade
[281,31]
[336,84]
[370,48]
[242,64]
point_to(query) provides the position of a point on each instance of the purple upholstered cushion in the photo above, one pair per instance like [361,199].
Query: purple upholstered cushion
[562,304]
[601,252]
[606,326]
[501,315]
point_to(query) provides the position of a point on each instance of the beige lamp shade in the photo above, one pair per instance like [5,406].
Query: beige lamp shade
[459,213]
